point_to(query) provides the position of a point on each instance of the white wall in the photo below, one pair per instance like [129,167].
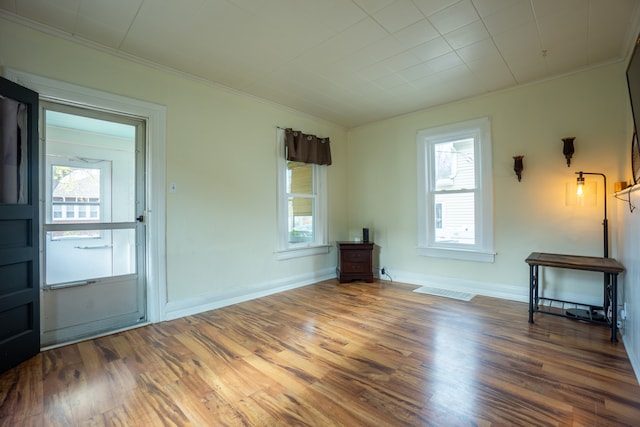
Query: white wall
[629,255]
[628,219]
[530,215]
[220,152]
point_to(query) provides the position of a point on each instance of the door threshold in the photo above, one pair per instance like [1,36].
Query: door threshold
[92,337]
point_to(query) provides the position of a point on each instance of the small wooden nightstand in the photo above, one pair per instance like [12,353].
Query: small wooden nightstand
[355,261]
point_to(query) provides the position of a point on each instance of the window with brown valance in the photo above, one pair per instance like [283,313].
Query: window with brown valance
[301,147]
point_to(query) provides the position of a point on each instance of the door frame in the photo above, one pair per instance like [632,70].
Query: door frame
[155,117]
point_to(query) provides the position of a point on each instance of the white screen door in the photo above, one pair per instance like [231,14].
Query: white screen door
[93,232]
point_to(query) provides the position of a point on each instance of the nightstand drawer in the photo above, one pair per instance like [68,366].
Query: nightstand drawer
[355,267]
[355,256]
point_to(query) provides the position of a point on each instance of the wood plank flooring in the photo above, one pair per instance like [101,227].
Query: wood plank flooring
[334,354]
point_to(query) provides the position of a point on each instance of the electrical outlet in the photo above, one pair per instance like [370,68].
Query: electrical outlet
[382,271]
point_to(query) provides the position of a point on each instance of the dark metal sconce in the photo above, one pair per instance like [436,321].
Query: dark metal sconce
[568,149]
[518,166]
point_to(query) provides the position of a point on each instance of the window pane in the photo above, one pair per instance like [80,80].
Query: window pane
[299,178]
[301,219]
[98,253]
[75,190]
[13,152]
[454,218]
[454,165]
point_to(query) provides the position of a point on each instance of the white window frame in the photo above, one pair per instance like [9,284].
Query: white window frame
[319,246]
[482,250]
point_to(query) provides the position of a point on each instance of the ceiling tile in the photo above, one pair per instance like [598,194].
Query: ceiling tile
[100,33]
[114,13]
[519,43]
[375,52]
[429,7]
[490,7]
[106,23]
[401,61]
[610,22]
[529,70]
[358,36]
[372,6]
[59,14]
[9,5]
[454,17]
[375,71]
[484,49]
[431,49]
[514,15]
[417,72]
[566,59]
[416,33]
[445,62]
[398,15]
[546,8]
[391,81]
[492,74]
[467,35]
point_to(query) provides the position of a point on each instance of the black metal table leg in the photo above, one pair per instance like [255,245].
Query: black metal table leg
[533,284]
[614,307]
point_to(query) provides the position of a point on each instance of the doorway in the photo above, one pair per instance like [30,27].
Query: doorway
[93,216]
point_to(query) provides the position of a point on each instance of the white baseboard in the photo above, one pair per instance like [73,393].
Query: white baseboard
[496,290]
[513,292]
[211,301]
[633,358]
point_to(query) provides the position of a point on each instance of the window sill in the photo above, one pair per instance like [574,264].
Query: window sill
[302,252]
[459,254]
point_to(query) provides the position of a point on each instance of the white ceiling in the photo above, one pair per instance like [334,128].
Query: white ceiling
[353,61]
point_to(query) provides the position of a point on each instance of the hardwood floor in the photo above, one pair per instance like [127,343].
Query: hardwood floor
[334,354]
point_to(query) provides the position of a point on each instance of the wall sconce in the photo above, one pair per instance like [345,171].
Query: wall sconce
[568,149]
[518,166]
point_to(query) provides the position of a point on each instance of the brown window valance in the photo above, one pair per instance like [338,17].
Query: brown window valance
[300,147]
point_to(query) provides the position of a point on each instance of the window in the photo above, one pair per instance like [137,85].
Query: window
[455,211]
[301,207]
[74,190]
[76,194]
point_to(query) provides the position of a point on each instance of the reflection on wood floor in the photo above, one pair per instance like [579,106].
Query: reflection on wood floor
[327,354]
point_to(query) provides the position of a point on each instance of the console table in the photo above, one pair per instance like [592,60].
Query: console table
[609,266]
[355,261]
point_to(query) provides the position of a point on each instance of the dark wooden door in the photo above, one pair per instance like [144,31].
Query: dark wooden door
[19,222]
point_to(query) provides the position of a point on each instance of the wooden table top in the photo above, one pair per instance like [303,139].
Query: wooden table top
[576,262]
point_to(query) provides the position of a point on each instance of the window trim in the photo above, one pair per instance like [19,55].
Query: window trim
[286,250]
[482,250]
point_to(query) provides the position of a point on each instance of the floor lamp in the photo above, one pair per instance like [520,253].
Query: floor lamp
[605,225]
[605,222]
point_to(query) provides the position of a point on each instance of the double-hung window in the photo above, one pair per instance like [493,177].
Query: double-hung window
[455,204]
[302,217]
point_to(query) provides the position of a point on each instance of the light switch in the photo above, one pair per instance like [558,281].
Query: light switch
[173,187]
